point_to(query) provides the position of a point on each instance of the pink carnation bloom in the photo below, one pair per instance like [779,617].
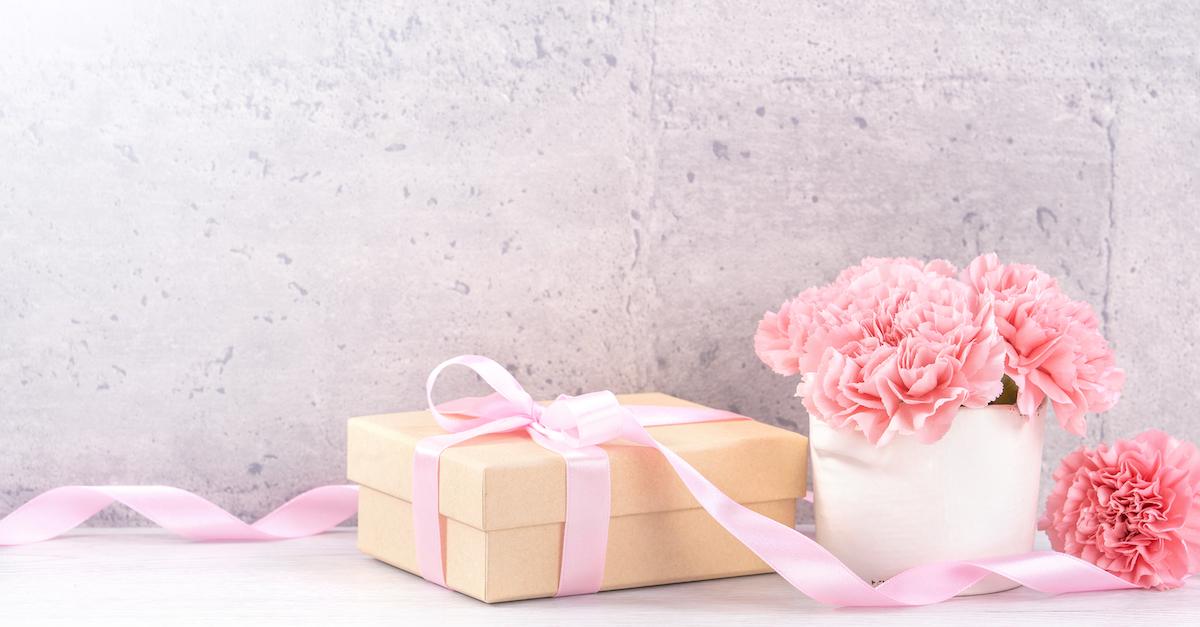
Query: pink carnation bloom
[782,337]
[773,341]
[793,339]
[1053,346]
[1132,509]
[903,347]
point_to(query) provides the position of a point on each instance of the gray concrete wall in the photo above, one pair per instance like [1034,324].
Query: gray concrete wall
[224,229]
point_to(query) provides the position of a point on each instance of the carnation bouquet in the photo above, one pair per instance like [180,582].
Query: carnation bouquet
[894,353]
[897,346]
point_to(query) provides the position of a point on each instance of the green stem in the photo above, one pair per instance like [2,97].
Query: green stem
[1009,395]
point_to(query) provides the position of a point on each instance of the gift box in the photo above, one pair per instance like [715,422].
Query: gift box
[502,502]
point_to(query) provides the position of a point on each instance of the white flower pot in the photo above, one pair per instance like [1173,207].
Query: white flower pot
[971,494]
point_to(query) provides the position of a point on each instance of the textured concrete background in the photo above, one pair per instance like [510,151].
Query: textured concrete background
[224,229]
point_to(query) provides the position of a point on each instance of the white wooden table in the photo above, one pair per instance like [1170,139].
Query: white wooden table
[144,576]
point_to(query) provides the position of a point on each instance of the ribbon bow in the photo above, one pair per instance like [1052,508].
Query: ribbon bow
[574,421]
[573,426]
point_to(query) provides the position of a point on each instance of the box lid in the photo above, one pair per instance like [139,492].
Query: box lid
[503,481]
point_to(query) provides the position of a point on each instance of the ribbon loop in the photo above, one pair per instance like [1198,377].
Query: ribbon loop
[496,376]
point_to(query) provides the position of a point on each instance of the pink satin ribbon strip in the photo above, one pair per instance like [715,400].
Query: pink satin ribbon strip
[57,511]
[573,427]
[583,422]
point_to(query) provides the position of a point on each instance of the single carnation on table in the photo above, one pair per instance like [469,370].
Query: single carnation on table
[895,346]
[1132,508]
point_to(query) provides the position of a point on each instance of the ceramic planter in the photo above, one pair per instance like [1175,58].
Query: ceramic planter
[971,494]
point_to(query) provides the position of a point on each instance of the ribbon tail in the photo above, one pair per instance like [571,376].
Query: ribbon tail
[814,571]
[585,527]
[1048,572]
[57,511]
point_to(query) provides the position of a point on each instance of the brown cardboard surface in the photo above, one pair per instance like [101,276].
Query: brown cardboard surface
[506,481]
[523,563]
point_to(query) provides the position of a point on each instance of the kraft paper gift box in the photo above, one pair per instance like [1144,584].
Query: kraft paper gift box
[503,501]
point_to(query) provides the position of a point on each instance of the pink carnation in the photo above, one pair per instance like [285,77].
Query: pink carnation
[773,341]
[897,345]
[902,347]
[781,338]
[864,299]
[1053,345]
[1132,509]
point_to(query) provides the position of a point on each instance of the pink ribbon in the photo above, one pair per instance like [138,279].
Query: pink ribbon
[574,426]
[59,510]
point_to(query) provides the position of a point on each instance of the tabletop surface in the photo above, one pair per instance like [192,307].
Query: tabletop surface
[145,576]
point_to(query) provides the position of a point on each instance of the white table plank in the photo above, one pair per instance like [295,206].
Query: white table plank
[148,577]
